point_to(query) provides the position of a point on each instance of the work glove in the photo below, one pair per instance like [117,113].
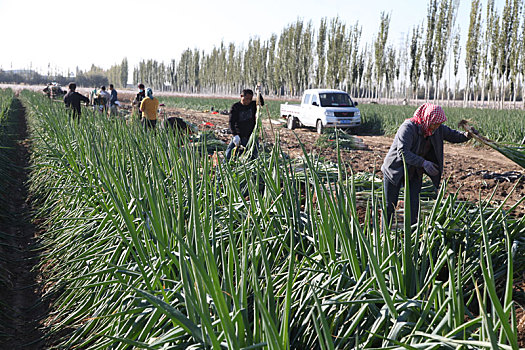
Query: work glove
[236,140]
[430,168]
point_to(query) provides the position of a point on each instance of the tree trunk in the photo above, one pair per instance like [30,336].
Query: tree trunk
[502,93]
[522,92]
[515,92]
[455,90]
[483,91]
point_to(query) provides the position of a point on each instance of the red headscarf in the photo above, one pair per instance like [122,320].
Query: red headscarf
[428,114]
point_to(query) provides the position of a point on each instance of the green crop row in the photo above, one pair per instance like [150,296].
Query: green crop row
[151,244]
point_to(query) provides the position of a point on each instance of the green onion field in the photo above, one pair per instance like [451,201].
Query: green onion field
[147,242]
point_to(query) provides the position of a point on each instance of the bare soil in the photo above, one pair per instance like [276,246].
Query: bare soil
[25,308]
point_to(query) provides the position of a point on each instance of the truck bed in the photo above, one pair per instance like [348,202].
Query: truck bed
[288,110]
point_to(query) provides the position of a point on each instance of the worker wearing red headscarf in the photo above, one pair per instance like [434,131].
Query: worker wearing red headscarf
[419,142]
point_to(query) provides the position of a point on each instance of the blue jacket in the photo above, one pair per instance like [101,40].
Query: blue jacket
[408,142]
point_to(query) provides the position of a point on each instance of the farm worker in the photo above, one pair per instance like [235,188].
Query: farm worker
[138,99]
[93,99]
[113,100]
[149,108]
[419,140]
[47,90]
[242,121]
[104,97]
[72,100]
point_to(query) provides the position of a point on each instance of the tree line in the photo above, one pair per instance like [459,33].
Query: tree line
[425,66]
[333,56]
[117,75]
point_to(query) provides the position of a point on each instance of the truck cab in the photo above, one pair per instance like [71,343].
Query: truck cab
[323,108]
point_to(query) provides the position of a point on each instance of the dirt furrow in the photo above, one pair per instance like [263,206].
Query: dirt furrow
[24,307]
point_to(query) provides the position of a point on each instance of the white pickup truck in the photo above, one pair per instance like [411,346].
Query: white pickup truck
[322,108]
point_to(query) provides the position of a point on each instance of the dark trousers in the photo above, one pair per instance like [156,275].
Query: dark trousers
[149,124]
[244,142]
[392,196]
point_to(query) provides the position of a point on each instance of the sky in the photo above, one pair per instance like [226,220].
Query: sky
[69,34]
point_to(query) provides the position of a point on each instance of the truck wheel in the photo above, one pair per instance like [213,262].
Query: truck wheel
[291,123]
[319,126]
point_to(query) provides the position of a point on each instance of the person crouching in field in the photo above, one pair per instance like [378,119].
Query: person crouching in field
[242,121]
[72,101]
[149,108]
[419,140]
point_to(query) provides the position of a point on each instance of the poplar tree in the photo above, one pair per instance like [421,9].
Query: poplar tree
[507,43]
[514,55]
[233,71]
[353,52]
[472,48]
[391,70]
[368,72]
[486,71]
[336,56]
[183,71]
[379,51]
[443,33]
[521,56]
[493,30]
[415,61]
[456,53]
[172,74]
[320,70]
[404,64]
[359,72]
[124,73]
[195,76]
[272,76]
[429,46]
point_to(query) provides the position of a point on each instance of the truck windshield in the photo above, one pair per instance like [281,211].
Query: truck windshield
[335,100]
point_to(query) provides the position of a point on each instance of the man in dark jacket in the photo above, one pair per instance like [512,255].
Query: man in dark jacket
[419,141]
[72,100]
[138,99]
[242,121]
[113,100]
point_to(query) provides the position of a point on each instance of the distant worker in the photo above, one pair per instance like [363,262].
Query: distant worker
[113,101]
[103,97]
[47,90]
[93,97]
[419,141]
[149,108]
[242,121]
[138,99]
[72,100]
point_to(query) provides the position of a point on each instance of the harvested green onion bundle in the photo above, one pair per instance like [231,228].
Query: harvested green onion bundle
[515,153]
[335,138]
[208,140]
